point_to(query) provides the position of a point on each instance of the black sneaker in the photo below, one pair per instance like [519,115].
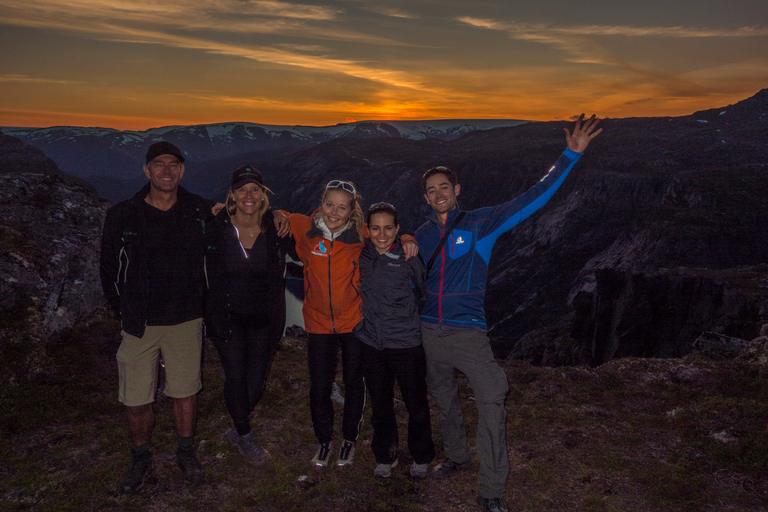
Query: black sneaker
[346,454]
[323,455]
[447,468]
[492,504]
[190,466]
[141,465]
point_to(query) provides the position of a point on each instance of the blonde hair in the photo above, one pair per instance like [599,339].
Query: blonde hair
[231,206]
[356,218]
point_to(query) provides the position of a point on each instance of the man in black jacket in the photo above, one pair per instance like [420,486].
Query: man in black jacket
[151,273]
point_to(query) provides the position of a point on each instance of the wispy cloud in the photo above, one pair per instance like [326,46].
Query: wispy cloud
[320,63]
[212,25]
[392,12]
[36,80]
[148,10]
[581,46]
[217,17]
[526,31]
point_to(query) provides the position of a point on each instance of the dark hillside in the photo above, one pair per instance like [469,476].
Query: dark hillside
[635,435]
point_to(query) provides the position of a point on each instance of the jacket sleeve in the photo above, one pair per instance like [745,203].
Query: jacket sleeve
[111,245]
[281,246]
[500,219]
[419,274]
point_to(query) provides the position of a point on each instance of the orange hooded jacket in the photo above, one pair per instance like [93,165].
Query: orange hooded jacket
[332,302]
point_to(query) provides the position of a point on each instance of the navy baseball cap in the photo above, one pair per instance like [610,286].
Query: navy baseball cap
[163,148]
[246,174]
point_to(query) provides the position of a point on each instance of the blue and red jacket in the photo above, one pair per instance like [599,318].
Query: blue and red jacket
[456,283]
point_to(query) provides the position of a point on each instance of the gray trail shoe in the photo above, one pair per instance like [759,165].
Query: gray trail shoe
[141,465]
[249,447]
[419,470]
[447,468]
[384,470]
[492,504]
[190,466]
[323,455]
[346,454]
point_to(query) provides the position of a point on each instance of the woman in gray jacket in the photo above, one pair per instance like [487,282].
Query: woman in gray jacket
[392,349]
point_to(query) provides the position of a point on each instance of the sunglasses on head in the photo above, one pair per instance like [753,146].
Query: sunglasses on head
[344,185]
[382,207]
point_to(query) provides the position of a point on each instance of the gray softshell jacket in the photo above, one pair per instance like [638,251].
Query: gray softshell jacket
[389,286]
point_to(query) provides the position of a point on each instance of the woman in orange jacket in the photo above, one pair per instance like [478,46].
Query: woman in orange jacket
[329,245]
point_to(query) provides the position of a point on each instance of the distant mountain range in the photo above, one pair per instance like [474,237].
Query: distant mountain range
[657,235]
[111,160]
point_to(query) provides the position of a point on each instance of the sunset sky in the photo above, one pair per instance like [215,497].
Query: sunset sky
[137,64]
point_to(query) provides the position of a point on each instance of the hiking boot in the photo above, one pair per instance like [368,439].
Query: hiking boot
[141,465]
[384,470]
[419,470]
[323,455]
[492,504]
[249,447]
[346,454]
[190,466]
[447,468]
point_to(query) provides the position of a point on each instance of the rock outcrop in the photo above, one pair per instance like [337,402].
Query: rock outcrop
[49,252]
[663,314]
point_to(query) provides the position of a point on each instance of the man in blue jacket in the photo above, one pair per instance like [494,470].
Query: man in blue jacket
[453,320]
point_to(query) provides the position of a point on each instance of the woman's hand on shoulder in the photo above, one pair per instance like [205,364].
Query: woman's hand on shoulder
[215,209]
[410,248]
[282,225]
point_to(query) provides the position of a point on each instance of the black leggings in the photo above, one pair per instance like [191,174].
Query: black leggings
[408,367]
[246,357]
[322,352]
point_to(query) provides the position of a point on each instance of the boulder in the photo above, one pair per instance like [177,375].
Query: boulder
[49,256]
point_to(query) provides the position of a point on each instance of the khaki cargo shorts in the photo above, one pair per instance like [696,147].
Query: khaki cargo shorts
[180,347]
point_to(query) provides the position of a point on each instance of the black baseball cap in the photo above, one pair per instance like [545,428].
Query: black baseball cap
[246,174]
[163,148]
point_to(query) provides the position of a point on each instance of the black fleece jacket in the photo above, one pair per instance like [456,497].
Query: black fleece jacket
[220,243]
[124,269]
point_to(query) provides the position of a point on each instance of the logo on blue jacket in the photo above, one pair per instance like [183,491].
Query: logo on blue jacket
[459,243]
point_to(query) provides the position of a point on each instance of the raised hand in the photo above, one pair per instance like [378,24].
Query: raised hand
[582,133]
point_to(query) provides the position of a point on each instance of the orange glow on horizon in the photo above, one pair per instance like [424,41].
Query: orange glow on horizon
[553,109]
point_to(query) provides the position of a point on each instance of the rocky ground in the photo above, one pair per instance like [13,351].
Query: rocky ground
[630,435]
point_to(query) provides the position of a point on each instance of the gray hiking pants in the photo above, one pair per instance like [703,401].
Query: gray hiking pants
[469,351]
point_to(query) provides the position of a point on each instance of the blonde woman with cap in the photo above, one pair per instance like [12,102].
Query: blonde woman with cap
[245,300]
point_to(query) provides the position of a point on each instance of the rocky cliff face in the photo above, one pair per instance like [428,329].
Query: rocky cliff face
[657,314]
[49,251]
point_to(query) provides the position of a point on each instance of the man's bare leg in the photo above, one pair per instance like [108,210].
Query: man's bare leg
[185,415]
[141,421]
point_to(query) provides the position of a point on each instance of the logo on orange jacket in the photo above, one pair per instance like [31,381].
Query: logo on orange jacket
[320,249]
